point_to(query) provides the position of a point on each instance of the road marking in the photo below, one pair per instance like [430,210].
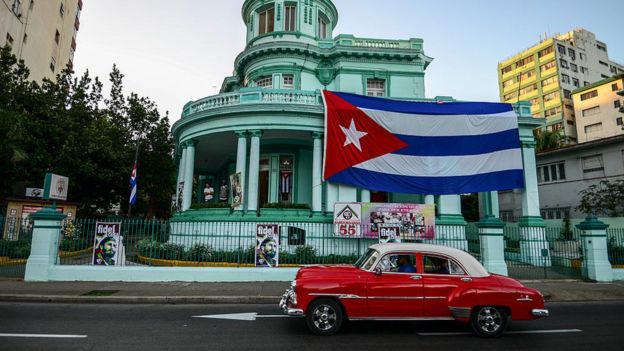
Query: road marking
[57,336]
[553,331]
[252,316]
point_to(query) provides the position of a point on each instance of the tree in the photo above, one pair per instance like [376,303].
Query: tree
[547,140]
[66,127]
[605,198]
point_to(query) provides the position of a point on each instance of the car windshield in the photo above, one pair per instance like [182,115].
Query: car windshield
[367,260]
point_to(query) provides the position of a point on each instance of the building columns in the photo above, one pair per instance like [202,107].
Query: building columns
[241,166]
[189,169]
[254,170]
[180,183]
[450,224]
[317,168]
[596,265]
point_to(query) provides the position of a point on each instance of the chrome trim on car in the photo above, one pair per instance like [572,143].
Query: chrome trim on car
[538,312]
[297,312]
[435,297]
[460,312]
[340,296]
[524,298]
[402,319]
[396,297]
[288,302]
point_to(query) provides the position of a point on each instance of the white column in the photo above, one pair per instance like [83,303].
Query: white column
[332,196]
[254,170]
[317,168]
[241,165]
[181,167]
[429,199]
[187,197]
[530,194]
[365,195]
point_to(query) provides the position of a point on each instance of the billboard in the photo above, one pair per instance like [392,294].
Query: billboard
[267,245]
[382,220]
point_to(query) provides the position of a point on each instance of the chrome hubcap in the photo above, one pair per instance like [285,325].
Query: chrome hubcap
[489,319]
[324,317]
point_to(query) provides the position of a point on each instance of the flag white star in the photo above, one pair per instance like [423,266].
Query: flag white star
[353,135]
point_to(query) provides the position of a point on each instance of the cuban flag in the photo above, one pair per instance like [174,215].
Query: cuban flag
[421,147]
[133,184]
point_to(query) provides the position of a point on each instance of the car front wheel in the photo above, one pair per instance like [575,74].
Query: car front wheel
[324,317]
[489,321]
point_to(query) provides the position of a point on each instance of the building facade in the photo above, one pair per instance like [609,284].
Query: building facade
[547,73]
[564,172]
[266,127]
[599,109]
[41,33]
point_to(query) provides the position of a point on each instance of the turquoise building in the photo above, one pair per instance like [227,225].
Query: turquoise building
[266,123]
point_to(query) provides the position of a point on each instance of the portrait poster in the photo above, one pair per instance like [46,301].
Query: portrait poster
[389,234]
[267,245]
[415,221]
[236,189]
[108,248]
[347,219]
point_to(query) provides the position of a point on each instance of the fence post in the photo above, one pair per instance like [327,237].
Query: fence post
[596,265]
[492,244]
[44,250]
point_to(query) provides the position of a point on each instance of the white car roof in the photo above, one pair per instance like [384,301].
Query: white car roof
[472,266]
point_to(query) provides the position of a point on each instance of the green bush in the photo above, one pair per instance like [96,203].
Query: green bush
[15,249]
[200,252]
[286,205]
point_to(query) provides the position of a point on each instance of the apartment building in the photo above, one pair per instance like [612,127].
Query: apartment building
[599,109]
[548,72]
[42,33]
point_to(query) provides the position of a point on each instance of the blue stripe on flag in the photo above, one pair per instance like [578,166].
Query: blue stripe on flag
[459,145]
[503,180]
[426,108]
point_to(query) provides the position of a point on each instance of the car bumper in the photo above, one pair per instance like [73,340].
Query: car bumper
[288,304]
[540,313]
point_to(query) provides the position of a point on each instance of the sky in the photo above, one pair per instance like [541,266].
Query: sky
[177,51]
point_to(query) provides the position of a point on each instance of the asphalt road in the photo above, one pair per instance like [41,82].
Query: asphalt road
[173,327]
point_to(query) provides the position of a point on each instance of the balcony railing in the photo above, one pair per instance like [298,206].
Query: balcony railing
[254,96]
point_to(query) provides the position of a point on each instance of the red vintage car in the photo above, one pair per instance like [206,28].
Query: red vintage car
[410,282]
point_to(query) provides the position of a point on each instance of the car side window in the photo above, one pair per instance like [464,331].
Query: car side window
[456,268]
[398,263]
[436,265]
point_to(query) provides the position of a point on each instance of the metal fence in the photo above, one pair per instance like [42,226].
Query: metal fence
[15,243]
[234,244]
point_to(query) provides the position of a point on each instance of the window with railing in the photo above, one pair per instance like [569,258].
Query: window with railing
[524,61]
[547,66]
[553,111]
[375,87]
[549,81]
[266,21]
[528,89]
[551,96]
[545,52]
[506,69]
[555,212]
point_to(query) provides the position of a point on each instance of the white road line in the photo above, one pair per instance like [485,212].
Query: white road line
[57,336]
[553,331]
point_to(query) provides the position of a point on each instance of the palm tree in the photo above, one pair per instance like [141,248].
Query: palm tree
[547,140]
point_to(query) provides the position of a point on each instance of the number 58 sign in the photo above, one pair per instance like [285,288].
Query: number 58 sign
[347,219]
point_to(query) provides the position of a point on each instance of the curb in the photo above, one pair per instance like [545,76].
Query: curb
[142,299]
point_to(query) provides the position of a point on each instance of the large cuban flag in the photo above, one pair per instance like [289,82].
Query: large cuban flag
[421,147]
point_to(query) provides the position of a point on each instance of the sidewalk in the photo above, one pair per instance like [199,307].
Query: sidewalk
[12,290]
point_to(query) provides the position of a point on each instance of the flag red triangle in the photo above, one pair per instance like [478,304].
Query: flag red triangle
[351,137]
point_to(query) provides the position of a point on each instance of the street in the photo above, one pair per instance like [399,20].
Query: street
[573,326]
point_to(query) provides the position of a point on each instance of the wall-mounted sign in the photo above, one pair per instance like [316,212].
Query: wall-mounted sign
[34,192]
[389,234]
[347,219]
[236,189]
[55,187]
[267,245]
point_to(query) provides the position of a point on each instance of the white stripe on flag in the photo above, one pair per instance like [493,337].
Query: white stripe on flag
[443,125]
[444,166]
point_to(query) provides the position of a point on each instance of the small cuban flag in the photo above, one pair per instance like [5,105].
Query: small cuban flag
[133,184]
[421,147]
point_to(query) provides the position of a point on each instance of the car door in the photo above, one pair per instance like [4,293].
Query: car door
[441,277]
[395,292]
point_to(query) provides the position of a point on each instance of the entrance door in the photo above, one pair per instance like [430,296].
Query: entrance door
[263,182]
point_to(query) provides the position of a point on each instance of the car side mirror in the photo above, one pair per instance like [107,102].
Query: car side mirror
[378,271]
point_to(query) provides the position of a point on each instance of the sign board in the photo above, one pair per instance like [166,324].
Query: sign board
[415,221]
[108,247]
[296,236]
[347,219]
[34,192]
[55,187]
[267,245]
[236,189]
[389,234]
